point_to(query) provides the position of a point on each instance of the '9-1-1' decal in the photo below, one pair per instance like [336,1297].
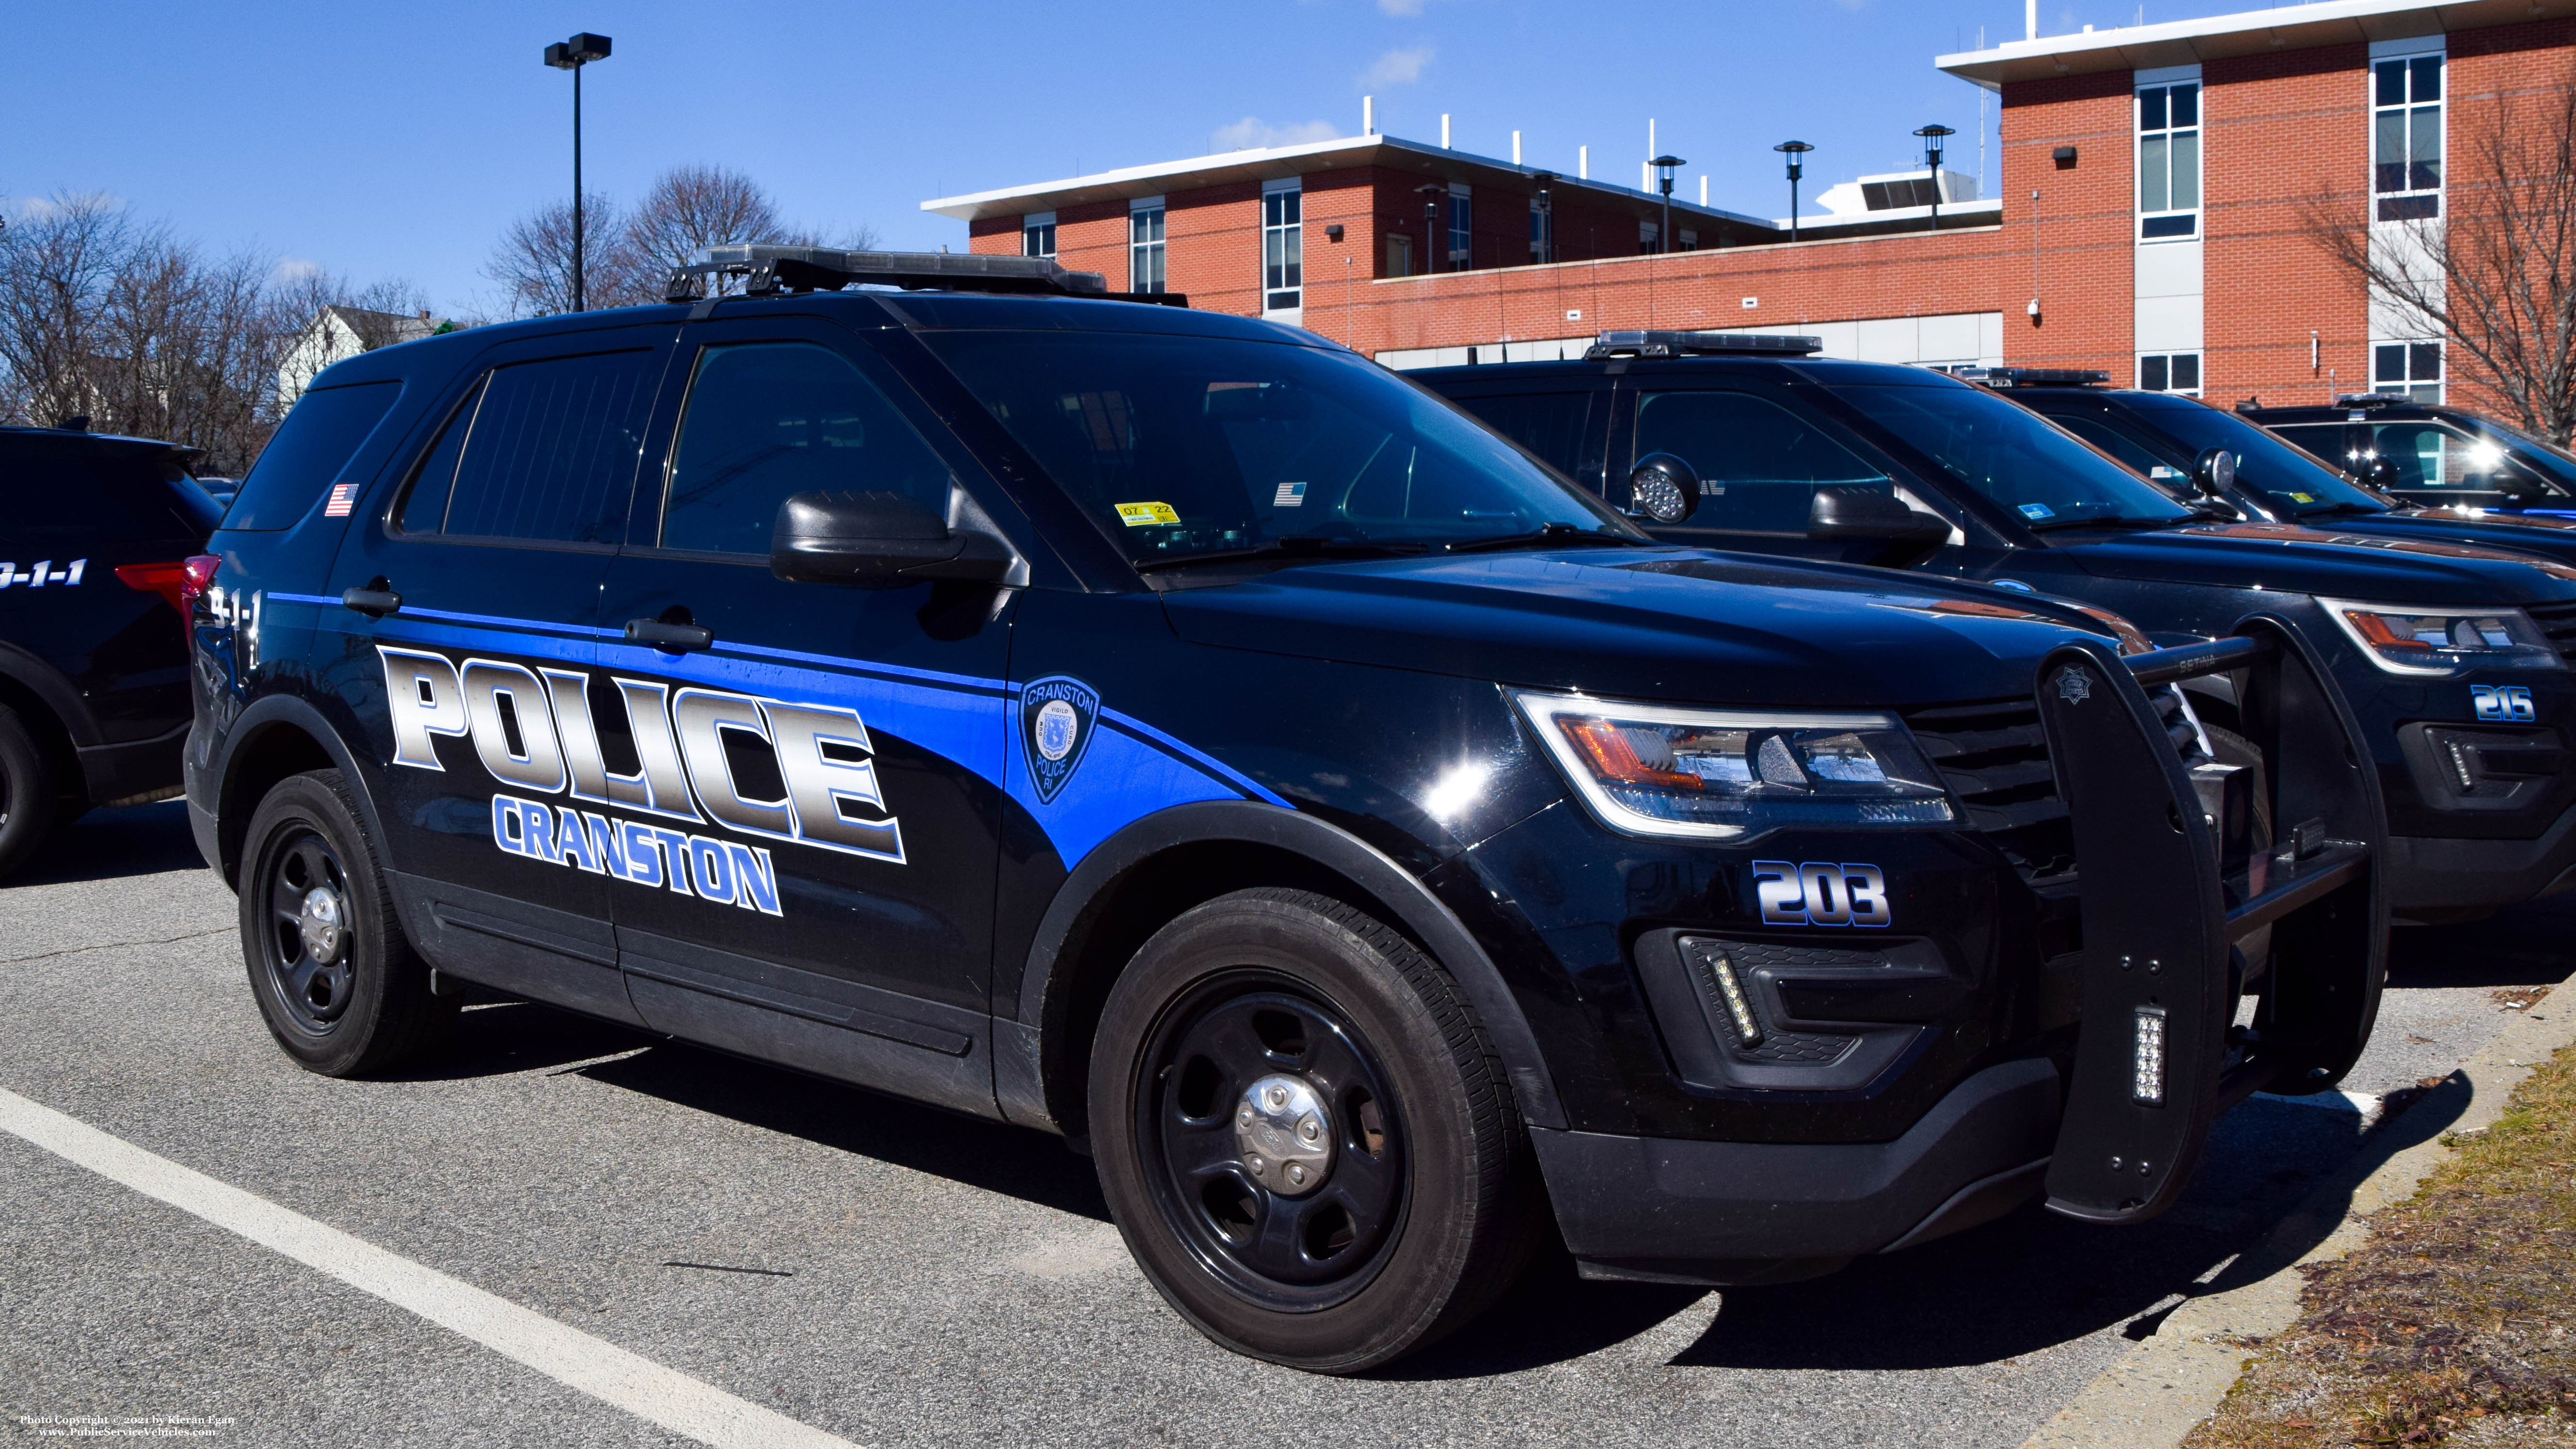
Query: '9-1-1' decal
[1821,893]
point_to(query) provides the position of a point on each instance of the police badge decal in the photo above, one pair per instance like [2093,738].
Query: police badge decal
[1057,715]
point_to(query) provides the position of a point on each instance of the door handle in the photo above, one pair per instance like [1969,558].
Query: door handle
[375,600]
[672,638]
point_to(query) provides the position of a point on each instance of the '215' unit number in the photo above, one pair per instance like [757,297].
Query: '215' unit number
[1821,893]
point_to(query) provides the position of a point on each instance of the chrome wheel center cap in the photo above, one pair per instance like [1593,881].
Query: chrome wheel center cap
[322,924]
[1285,1134]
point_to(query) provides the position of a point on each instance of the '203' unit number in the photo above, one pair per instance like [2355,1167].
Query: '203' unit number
[2502,701]
[1821,893]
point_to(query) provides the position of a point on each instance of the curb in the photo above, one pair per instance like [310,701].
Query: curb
[2162,1389]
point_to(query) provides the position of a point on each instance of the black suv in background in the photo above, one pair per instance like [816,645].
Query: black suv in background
[2428,454]
[2194,451]
[96,534]
[1175,732]
[2451,655]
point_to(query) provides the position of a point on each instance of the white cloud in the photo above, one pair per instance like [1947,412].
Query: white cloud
[296,269]
[1397,67]
[1252,132]
[1400,7]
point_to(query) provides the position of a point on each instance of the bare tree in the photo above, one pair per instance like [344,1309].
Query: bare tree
[2497,276]
[694,207]
[533,261]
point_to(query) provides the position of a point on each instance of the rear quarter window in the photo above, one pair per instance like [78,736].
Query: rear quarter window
[68,495]
[320,435]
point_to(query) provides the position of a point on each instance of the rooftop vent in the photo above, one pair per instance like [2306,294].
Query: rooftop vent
[1630,343]
[771,271]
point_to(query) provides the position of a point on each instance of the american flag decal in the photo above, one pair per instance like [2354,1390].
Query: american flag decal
[344,496]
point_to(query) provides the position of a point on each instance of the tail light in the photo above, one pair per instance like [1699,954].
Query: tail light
[180,582]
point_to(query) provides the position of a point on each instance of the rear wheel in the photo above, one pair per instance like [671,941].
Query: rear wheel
[30,792]
[335,976]
[1304,1135]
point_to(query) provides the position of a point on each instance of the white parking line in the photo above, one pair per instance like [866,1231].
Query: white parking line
[672,1399]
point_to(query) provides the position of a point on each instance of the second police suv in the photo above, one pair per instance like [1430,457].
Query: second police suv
[1180,734]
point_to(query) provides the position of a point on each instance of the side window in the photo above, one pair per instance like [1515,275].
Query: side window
[1549,424]
[322,432]
[1758,463]
[541,451]
[768,420]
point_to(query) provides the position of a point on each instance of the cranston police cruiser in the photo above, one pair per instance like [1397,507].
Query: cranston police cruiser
[1177,733]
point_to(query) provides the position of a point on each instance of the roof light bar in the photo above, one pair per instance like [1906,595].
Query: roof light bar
[1640,343]
[2372,400]
[771,271]
[2032,376]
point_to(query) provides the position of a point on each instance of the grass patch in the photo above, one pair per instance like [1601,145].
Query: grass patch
[2455,1323]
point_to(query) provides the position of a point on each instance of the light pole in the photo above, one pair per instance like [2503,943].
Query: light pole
[1932,135]
[1796,151]
[1546,219]
[1435,257]
[572,55]
[1664,166]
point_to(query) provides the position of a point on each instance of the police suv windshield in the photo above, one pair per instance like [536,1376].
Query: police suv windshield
[2287,478]
[2043,475]
[1184,446]
[2533,453]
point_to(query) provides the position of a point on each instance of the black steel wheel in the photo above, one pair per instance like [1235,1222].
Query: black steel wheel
[334,975]
[1304,1135]
[1228,1058]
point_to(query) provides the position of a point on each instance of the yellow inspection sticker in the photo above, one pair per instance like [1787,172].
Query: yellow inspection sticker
[1141,515]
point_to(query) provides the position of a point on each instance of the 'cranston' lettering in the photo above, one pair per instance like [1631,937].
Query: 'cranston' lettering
[726,872]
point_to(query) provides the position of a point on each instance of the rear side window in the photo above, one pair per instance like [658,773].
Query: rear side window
[1758,463]
[543,451]
[1550,424]
[319,437]
[770,420]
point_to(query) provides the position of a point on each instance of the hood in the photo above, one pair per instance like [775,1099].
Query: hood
[2345,564]
[2547,535]
[1669,624]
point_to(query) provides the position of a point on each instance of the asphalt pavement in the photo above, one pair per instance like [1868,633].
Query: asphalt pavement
[897,1276]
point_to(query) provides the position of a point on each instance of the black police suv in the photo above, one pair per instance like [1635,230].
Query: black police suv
[2451,655]
[1181,734]
[2195,450]
[2428,454]
[96,543]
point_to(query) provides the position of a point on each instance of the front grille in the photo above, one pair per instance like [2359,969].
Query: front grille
[1994,757]
[2558,621]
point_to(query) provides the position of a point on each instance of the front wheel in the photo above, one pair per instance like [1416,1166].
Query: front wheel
[1304,1135]
[335,976]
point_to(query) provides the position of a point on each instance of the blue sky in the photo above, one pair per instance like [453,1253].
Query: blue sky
[396,140]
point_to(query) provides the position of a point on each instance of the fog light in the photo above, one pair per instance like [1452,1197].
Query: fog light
[1721,971]
[2148,1084]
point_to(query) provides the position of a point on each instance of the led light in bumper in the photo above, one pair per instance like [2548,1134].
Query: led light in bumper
[2147,1084]
[1721,972]
[1722,774]
[2406,640]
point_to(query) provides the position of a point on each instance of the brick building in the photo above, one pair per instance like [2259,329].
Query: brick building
[2150,218]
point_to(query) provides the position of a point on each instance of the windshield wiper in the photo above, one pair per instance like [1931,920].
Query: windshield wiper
[2116,520]
[2343,510]
[1293,547]
[1547,535]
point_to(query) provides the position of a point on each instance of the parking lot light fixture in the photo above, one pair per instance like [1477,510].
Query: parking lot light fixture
[572,55]
[1664,168]
[1796,151]
[1932,135]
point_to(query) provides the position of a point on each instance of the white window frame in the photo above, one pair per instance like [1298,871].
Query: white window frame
[1283,247]
[2428,390]
[1037,230]
[2410,198]
[2165,83]
[1148,256]
[2199,372]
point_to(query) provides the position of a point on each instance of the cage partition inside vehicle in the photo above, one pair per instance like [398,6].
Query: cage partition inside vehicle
[2207,883]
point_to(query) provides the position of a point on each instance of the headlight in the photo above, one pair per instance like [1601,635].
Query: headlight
[1726,774]
[2444,641]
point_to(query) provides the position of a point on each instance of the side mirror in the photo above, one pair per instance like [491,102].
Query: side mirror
[1662,489]
[876,541]
[2214,472]
[1844,513]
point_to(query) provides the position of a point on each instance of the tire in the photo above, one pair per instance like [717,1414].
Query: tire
[1428,1202]
[345,1001]
[30,793]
